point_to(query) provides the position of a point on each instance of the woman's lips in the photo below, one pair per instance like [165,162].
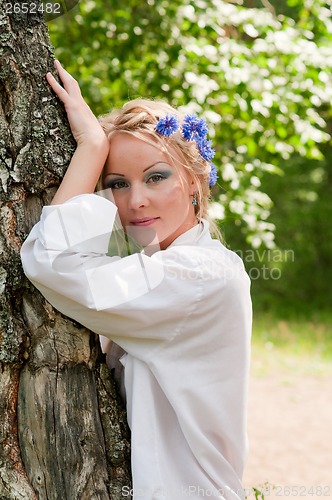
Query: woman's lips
[146,221]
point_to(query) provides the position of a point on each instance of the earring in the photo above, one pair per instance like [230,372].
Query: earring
[195,201]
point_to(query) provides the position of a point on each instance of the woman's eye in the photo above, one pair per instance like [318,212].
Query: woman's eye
[156,178]
[117,184]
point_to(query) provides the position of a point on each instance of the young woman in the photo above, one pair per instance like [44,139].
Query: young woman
[179,307]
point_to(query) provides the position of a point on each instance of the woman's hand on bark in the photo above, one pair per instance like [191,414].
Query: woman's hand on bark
[83,123]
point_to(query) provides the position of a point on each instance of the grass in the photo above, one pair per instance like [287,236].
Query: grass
[295,345]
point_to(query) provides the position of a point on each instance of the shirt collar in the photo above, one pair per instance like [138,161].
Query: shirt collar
[193,235]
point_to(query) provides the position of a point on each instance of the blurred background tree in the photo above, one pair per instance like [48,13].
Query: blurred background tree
[259,71]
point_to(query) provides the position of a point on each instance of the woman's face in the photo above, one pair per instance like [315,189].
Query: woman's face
[153,192]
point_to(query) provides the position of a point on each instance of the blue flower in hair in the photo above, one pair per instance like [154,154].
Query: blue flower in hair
[194,127]
[213,175]
[205,148]
[168,126]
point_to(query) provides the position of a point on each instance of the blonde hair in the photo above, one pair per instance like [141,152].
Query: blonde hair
[139,118]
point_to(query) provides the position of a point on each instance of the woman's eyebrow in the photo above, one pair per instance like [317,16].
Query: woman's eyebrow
[147,168]
[153,165]
[114,173]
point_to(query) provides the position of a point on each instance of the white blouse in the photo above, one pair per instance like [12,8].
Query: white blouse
[183,316]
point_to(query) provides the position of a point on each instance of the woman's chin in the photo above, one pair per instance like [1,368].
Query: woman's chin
[143,236]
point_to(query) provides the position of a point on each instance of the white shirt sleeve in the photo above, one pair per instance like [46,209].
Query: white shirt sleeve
[134,297]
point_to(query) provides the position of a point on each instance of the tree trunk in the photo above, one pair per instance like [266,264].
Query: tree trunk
[63,431]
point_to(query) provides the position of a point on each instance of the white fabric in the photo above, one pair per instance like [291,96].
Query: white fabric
[183,315]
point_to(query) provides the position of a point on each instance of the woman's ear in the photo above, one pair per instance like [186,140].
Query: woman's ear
[193,186]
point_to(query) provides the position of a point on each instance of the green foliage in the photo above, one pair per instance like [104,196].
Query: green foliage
[303,214]
[258,494]
[297,274]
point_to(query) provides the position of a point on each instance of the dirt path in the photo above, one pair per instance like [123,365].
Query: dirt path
[290,434]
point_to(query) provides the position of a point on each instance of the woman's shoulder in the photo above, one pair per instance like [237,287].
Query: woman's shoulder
[198,243]
[204,258]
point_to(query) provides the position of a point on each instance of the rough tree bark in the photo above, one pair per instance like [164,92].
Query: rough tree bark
[63,432]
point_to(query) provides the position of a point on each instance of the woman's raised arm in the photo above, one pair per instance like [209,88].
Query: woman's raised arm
[92,145]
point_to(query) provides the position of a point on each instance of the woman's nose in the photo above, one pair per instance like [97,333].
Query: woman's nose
[138,197]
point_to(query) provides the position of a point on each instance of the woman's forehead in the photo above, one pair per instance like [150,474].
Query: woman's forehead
[129,149]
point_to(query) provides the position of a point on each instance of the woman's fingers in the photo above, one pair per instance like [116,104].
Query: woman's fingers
[70,86]
[69,83]
[83,123]
[58,89]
